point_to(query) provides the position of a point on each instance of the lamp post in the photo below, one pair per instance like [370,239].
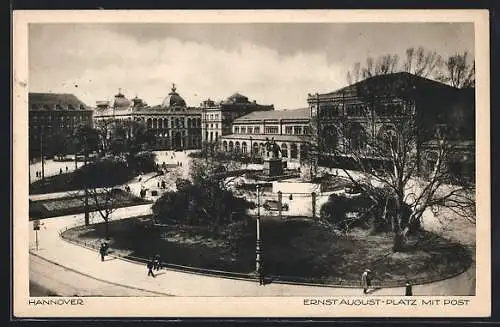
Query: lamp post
[257,243]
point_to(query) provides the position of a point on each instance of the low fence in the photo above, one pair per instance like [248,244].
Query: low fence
[252,276]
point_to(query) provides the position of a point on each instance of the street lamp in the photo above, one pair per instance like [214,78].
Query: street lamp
[257,244]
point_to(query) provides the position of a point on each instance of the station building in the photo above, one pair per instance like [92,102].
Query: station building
[175,125]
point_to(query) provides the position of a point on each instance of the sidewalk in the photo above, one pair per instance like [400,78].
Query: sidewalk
[168,282]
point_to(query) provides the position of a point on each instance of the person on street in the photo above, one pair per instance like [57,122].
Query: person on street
[366,280]
[408,289]
[60,171]
[102,251]
[150,266]
[66,168]
[157,262]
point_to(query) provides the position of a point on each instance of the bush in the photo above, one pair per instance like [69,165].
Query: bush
[144,161]
[107,171]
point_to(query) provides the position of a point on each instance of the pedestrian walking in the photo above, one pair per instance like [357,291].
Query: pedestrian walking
[408,289]
[66,168]
[366,280]
[60,171]
[157,264]
[150,266]
[102,251]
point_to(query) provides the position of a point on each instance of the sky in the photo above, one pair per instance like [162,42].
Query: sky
[271,63]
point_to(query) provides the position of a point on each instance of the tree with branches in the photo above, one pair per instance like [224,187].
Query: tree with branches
[460,72]
[387,170]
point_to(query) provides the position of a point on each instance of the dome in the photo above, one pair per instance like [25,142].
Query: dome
[121,102]
[173,99]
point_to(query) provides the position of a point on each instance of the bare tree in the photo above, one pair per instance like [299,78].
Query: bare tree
[418,61]
[388,166]
[422,63]
[459,71]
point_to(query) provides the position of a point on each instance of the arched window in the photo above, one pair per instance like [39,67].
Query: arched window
[388,136]
[284,150]
[304,151]
[149,123]
[224,146]
[357,137]
[293,151]
[329,139]
[244,147]
[237,146]
[255,148]
[231,146]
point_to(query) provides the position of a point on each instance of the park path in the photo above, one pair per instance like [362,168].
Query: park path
[168,282]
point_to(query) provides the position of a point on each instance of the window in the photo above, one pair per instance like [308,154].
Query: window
[307,130]
[216,135]
[288,130]
[216,116]
[224,146]
[211,125]
[293,151]
[244,147]
[297,130]
[237,146]
[249,130]
[271,130]
[211,136]
[236,129]
[243,130]
[284,150]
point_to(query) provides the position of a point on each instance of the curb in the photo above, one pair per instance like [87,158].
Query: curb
[95,278]
[248,277]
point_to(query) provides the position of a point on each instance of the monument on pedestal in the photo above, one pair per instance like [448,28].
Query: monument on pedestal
[273,165]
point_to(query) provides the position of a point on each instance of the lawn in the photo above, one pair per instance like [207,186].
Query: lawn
[74,204]
[294,250]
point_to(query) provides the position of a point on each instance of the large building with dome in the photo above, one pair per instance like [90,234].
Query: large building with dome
[175,125]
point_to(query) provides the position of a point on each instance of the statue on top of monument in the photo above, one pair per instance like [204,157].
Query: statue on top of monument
[273,149]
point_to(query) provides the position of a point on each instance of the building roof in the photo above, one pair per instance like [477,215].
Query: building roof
[55,101]
[236,98]
[400,82]
[173,99]
[121,102]
[302,113]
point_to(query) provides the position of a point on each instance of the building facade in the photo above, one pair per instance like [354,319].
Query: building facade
[218,118]
[53,118]
[289,129]
[346,119]
[175,125]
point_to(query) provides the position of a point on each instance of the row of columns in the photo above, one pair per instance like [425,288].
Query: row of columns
[290,150]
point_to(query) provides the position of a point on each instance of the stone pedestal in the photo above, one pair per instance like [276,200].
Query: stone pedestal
[273,167]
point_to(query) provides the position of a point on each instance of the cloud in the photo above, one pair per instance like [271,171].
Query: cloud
[272,64]
[100,62]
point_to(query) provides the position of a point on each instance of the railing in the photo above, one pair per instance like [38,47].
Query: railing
[283,279]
